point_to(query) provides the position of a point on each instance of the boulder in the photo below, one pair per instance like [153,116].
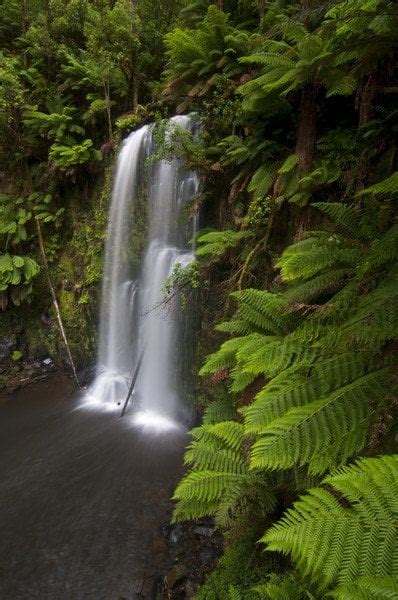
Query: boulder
[8,344]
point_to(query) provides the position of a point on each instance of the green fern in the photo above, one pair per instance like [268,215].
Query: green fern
[368,588]
[215,489]
[283,587]
[387,187]
[215,243]
[219,410]
[334,543]
[316,254]
[234,593]
[325,432]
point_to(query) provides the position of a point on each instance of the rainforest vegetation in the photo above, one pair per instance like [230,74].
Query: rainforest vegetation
[296,271]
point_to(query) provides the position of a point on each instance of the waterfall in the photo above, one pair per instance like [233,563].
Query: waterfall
[134,318]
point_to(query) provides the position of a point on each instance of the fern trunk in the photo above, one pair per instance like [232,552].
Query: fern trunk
[366,99]
[306,130]
[367,96]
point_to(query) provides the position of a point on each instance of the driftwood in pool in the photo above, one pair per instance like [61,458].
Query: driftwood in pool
[134,379]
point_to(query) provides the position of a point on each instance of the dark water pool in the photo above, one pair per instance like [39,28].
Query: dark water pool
[83,496]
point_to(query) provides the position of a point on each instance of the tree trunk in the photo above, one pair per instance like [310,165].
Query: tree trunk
[306,129]
[261,9]
[365,105]
[24,24]
[55,301]
[135,93]
[305,149]
[367,96]
[108,107]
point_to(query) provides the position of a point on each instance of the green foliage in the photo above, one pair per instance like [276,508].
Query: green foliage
[216,243]
[219,482]
[182,282]
[328,374]
[368,588]
[16,356]
[199,57]
[242,567]
[335,543]
[16,275]
[283,587]
[17,235]
[128,122]
[66,156]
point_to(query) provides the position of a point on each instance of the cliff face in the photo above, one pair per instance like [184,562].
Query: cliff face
[75,261]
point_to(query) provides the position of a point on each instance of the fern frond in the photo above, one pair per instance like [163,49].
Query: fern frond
[269,312]
[219,410]
[323,433]
[205,486]
[383,188]
[324,283]
[368,588]
[346,217]
[202,455]
[300,386]
[382,250]
[236,326]
[314,255]
[234,593]
[225,357]
[336,543]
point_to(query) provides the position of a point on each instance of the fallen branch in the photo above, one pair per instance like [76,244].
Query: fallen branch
[55,301]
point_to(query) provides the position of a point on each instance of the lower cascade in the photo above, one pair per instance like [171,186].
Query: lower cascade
[136,326]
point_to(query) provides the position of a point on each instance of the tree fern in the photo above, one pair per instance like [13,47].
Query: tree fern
[335,543]
[219,410]
[387,187]
[322,433]
[216,243]
[283,587]
[219,480]
[315,254]
[234,593]
[368,588]
[300,386]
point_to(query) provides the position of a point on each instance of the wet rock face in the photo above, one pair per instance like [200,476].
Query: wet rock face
[8,344]
[194,549]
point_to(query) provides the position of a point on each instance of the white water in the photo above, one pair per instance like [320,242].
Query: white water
[134,318]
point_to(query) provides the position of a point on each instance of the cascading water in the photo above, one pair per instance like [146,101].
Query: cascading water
[134,318]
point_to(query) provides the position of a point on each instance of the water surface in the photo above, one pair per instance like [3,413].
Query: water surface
[83,496]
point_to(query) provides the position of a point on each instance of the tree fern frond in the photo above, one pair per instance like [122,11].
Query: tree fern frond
[219,410]
[311,256]
[383,188]
[225,357]
[263,309]
[282,587]
[368,588]
[234,593]
[236,326]
[323,433]
[300,386]
[202,455]
[382,250]
[324,283]
[335,543]
[205,486]
[346,217]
